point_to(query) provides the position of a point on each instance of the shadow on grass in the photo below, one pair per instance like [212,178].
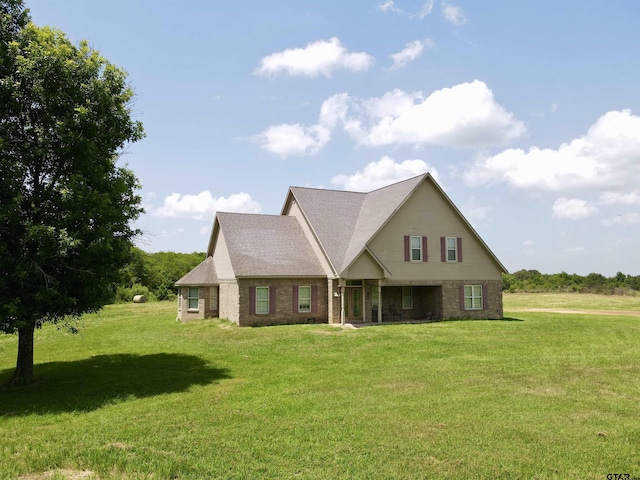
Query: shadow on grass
[503,319]
[89,384]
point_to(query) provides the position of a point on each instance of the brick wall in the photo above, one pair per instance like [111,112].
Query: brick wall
[284,310]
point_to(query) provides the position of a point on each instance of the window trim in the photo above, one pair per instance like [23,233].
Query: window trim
[473,297]
[409,305]
[300,298]
[418,249]
[448,249]
[261,301]
[190,297]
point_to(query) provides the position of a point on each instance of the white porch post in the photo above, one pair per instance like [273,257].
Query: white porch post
[342,305]
[379,303]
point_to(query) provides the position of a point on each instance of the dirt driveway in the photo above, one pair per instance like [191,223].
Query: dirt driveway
[624,313]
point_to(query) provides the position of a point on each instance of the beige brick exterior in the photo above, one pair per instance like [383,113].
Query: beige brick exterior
[206,307]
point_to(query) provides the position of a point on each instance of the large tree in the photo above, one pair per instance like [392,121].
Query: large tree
[66,206]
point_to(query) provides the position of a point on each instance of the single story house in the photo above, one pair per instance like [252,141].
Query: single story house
[400,253]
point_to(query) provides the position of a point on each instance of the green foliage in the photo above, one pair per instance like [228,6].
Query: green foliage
[534,281]
[157,272]
[126,294]
[67,207]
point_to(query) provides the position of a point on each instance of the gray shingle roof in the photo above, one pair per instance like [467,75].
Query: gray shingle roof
[203,274]
[346,221]
[268,245]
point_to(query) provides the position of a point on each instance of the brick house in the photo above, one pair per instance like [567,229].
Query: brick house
[400,253]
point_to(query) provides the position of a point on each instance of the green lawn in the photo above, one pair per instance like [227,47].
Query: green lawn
[138,395]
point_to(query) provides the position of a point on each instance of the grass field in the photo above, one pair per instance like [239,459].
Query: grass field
[136,395]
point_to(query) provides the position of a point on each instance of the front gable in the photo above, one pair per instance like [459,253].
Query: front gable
[365,266]
[427,217]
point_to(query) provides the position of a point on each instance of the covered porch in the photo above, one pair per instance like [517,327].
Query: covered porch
[371,301]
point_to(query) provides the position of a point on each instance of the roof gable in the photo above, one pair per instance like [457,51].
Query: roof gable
[203,274]
[345,222]
[267,245]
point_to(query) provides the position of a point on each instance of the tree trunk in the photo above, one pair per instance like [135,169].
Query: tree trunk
[24,365]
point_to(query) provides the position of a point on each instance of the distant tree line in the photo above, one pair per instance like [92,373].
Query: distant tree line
[154,274]
[534,281]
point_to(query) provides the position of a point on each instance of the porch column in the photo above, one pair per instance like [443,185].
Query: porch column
[379,302]
[342,305]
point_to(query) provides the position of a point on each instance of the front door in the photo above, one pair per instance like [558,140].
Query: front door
[353,304]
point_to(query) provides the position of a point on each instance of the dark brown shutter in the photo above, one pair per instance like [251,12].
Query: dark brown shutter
[314,299]
[252,300]
[407,248]
[484,297]
[294,303]
[424,249]
[272,300]
[459,249]
[461,297]
[443,249]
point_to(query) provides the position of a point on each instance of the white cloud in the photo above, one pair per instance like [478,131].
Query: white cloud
[379,174]
[465,115]
[572,209]
[205,205]
[293,139]
[607,157]
[453,14]
[411,51]
[318,58]
[390,6]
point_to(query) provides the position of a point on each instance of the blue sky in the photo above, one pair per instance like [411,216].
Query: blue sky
[526,112]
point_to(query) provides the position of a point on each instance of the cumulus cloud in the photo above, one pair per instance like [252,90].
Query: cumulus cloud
[411,51]
[465,115]
[607,158]
[317,58]
[390,6]
[298,140]
[385,172]
[204,205]
[293,139]
[572,209]
[453,14]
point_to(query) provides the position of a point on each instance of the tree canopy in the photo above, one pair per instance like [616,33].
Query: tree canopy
[67,206]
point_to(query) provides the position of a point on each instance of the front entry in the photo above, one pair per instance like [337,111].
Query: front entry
[353,304]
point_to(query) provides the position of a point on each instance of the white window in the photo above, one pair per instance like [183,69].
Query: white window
[452,249]
[473,297]
[192,296]
[262,300]
[407,298]
[416,249]
[304,299]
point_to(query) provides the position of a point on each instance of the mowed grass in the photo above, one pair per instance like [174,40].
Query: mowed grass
[574,301]
[138,395]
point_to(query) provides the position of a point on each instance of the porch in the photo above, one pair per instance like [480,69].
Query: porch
[369,302]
